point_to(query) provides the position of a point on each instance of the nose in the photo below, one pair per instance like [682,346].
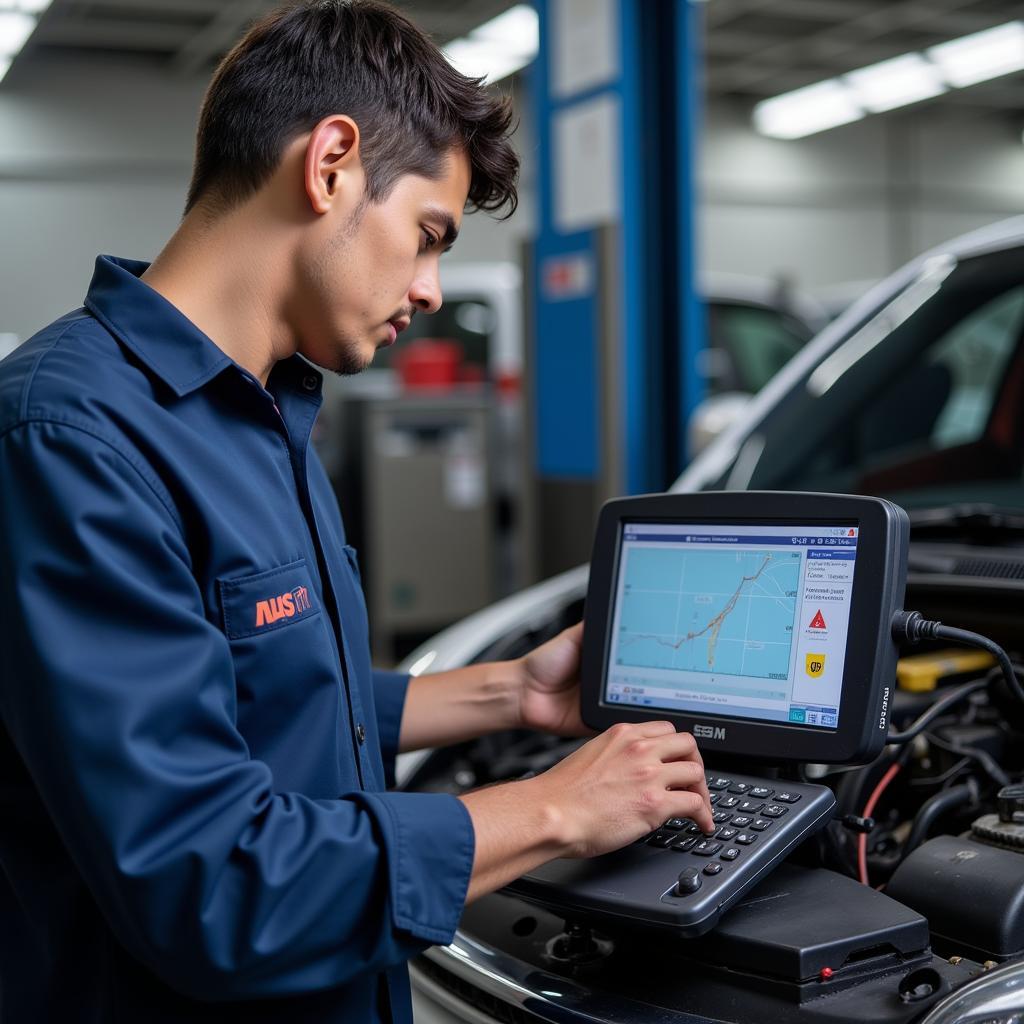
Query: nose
[425,293]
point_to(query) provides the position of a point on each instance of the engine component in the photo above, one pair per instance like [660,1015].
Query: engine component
[1007,827]
[971,892]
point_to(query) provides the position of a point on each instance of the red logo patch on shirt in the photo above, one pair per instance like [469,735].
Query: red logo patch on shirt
[284,606]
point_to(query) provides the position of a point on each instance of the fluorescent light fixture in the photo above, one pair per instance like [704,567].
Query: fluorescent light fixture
[498,47]
[35,7]
[805,111]
[15,28]
[895,83]
[981,56]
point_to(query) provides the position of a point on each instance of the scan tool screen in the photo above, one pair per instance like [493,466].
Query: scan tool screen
[747,621]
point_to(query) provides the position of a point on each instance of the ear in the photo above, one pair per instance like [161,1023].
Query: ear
[332,167]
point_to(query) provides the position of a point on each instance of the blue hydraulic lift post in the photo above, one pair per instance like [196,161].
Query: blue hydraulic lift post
[616,321]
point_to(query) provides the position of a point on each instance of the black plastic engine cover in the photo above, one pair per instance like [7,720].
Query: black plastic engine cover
[972,894]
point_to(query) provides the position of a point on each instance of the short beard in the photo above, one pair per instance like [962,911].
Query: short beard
[350,361]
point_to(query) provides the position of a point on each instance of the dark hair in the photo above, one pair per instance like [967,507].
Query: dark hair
[356,57]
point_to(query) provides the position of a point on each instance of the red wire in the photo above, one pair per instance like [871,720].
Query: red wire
[862,839]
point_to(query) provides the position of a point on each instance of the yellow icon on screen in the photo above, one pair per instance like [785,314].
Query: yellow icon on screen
[815,665]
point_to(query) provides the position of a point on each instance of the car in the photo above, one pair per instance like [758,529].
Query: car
[916,394]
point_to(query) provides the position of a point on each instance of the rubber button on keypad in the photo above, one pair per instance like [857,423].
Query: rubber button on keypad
[712,869]
[731,854]
[775,811]
[706,848]
[745,838]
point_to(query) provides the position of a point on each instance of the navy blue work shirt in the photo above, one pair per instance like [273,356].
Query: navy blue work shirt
[192,790]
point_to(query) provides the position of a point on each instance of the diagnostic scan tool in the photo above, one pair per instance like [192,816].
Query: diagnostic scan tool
[761,623]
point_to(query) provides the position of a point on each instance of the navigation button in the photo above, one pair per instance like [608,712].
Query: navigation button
[706,848]
[684,845]
[662,839]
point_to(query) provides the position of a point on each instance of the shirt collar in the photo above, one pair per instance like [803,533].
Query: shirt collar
[154,329]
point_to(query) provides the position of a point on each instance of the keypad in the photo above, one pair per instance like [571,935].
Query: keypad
[746,815]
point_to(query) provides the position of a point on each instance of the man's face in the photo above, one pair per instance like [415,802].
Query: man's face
[374,265]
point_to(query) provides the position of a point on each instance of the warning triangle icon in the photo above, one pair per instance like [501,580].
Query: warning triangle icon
[818,622]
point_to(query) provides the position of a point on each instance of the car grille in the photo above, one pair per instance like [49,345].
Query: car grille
[990,568]
[501,1011]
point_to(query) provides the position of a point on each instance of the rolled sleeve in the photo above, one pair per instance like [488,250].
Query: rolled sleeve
[389,690]
[430,846]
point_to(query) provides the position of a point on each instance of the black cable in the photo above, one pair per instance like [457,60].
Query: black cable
[935,807]
[985,760]
[939,707]
[913,626]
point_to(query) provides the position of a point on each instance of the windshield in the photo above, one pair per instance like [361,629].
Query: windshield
[922,402]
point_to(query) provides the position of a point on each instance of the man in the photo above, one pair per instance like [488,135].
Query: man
[194,747]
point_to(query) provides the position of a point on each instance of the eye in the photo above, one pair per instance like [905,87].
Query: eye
[429,240]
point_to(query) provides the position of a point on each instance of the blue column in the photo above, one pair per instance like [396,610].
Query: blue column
[616,322]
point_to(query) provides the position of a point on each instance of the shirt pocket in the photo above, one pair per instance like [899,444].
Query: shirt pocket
[287,676]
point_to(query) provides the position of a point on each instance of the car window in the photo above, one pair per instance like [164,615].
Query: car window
[920,402]
[749,345]
[973,356]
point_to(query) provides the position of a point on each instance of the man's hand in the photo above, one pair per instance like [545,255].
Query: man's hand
[611,791]
[549,686]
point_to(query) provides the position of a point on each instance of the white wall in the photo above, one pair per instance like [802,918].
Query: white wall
[856,202]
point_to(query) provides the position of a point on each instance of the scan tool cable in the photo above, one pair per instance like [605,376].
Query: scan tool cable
[913,627]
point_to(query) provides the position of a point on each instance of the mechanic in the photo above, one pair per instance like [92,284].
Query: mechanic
[195,751]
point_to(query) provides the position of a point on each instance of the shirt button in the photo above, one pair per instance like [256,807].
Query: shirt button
[309,382]
[361,733]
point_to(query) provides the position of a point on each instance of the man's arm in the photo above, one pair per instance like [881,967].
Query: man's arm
[538,691]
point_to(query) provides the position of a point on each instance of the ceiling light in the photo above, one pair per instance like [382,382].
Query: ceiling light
[498,47]
[895,83]
[517,29]
[805,111]
[983,55]
[29,6]
[15,28]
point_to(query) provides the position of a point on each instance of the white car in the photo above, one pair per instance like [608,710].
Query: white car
[915,393]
